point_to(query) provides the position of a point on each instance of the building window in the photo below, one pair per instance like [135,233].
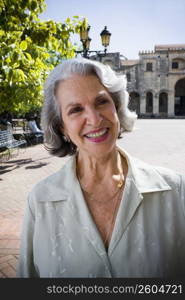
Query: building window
[175,65]
[149,67]
[163,103]
[128,77]
[149,102]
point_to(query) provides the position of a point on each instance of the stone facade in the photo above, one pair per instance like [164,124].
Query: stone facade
[156,81]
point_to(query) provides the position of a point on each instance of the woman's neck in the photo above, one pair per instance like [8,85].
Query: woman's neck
[96,170]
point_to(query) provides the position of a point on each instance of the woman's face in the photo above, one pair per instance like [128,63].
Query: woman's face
[89,114]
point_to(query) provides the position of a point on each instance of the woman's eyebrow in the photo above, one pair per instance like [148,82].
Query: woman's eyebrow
[71,104]
[101,94]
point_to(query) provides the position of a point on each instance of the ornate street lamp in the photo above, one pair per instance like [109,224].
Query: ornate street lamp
[84,33]
[105,37]
[85,39]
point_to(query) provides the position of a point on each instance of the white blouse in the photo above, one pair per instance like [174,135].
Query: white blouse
[60,239]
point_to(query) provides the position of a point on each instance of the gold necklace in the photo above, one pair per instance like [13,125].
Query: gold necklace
[91,196]
[107,237]
[116,200]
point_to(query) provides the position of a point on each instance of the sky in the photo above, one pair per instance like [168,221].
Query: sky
[135,25]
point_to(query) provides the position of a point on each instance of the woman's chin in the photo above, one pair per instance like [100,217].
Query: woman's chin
[99,148]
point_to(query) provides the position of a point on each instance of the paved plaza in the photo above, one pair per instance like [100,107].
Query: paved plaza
[156,141]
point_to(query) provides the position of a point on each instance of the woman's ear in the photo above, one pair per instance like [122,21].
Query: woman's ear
[64,132]
[61,129]
[66,136]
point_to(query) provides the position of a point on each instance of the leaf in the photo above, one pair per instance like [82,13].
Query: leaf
[68,20]
[2,33]
[16,65]
[18,75]
[28,56]
[23,45]
[8,60]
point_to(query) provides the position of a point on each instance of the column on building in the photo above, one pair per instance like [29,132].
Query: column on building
[142,104]
[156,104]
[171,103]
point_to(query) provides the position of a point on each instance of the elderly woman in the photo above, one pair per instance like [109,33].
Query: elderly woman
[104,214]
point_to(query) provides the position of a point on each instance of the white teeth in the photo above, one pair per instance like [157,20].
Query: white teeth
[97,134]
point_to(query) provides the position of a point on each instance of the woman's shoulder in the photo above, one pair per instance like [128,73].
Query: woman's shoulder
[147,172]
[53,185]
[173,178]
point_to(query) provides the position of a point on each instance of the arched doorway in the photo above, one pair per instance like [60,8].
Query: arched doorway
[149,102]
[163,103]
[134,102]
[180,97]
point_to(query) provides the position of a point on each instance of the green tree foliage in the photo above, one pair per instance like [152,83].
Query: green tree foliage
[29,49]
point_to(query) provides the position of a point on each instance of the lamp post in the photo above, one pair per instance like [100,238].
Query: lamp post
[85,39]
[105,38]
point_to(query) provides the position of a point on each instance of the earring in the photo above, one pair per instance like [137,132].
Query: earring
[67,138]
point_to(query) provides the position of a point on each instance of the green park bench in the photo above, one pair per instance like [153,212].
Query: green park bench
[8,142]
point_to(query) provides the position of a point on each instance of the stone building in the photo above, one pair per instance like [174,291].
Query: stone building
[156,81]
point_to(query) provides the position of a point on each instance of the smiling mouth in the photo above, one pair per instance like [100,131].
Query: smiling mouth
[98,134]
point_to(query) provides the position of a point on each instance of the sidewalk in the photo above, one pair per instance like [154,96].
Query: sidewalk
[17,177]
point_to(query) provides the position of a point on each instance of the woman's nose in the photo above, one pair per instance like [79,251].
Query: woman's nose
[93,117]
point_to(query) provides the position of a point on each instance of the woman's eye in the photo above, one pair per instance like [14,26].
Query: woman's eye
[103,101]
[75,110]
